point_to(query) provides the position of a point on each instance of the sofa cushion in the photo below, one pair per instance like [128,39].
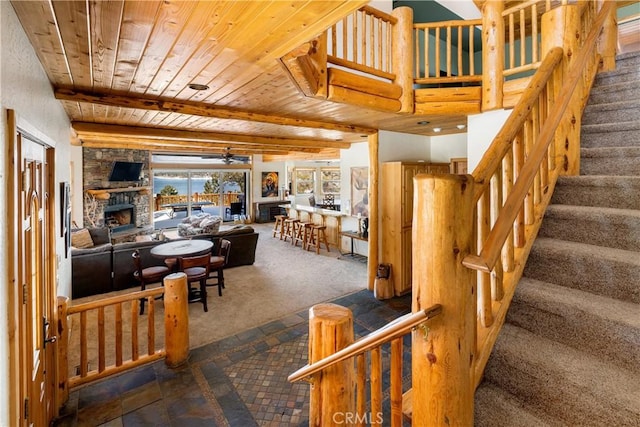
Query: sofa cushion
[236,229]
[81,239]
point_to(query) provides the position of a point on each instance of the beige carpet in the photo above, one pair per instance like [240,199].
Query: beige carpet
[284,280]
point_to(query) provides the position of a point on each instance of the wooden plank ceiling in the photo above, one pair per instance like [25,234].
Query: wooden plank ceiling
[122,70]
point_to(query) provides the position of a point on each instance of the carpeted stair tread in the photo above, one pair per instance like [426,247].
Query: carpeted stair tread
[616,138]
[614,161]
[602,326]
[610,227]
[610,92]
[621,192]
[628,58]
[617,111]
[611,127]
[561,382]
[604,271]
[623,73]
[495,407]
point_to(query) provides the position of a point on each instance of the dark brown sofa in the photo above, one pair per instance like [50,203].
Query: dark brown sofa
[106,267]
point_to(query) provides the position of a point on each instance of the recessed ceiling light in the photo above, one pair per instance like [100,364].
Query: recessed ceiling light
[196,86]
[423,122]
[461,126]
[437,130]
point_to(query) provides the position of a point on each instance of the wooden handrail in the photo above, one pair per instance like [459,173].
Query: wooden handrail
[492,247]
[452,23]
[501,143]
[387,333]
[114,300]
[379,14]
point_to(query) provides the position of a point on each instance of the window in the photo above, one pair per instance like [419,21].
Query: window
[305,181]
[330,181]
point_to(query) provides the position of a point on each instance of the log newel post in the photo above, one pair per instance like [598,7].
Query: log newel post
[332,397]
[561,28]
[443,354]
[401,57]
[62,345]
[493,35]
[608,42]
[176,319]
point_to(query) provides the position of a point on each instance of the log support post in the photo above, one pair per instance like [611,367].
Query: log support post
[176,319]
[402,57]
[374,226]
[62,345]
[443,354]
[561,28]
[492,55]
[608,41]
[332,397]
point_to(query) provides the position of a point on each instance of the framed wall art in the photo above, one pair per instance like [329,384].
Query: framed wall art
[269,184]
[360,191]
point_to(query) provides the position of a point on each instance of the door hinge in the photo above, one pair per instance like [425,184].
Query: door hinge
[26,408]
[24,293]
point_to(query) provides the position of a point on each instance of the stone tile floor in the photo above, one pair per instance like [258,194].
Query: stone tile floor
[238,381]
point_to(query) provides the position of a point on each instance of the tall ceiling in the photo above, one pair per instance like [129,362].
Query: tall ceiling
[122,69]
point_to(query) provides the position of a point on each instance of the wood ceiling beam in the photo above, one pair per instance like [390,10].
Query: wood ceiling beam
[97,129]
[157,144]
[327,155]
[182,149]
[198,109]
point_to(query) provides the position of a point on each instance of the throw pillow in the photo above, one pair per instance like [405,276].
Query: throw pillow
[81,239]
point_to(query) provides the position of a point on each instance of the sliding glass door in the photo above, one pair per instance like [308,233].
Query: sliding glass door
[179,194]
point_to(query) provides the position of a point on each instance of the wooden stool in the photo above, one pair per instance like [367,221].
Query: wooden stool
[290,228]
[301,234]
[316,237]
[278,227]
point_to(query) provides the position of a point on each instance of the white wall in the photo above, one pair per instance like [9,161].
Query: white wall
[26,89]
[446,147]
[482,128]
[394,146]
[256,180]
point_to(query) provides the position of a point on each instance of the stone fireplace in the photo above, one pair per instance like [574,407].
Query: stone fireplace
[124,207]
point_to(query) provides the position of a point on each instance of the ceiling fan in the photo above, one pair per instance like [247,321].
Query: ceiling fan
[227,156]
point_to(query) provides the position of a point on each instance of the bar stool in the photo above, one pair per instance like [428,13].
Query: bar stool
[278,227]
[290,228]
[302,233]
[316,237]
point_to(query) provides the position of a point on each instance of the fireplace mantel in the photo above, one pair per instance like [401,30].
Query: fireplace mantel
[104,193]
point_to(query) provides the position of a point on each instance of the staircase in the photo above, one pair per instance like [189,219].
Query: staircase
[569,352]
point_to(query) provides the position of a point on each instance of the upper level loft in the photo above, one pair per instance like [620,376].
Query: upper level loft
[390,63]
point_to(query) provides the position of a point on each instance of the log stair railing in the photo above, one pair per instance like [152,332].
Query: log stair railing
[472,234]
[132,338]
[338,367]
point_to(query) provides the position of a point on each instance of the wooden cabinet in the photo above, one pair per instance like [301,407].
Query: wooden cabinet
[396,195]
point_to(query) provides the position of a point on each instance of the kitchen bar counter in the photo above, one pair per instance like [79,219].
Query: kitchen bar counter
[327,217]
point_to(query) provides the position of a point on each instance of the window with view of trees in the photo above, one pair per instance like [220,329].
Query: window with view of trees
[330,181]
[305,181]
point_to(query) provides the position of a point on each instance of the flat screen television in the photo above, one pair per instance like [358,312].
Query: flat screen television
[125,171]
